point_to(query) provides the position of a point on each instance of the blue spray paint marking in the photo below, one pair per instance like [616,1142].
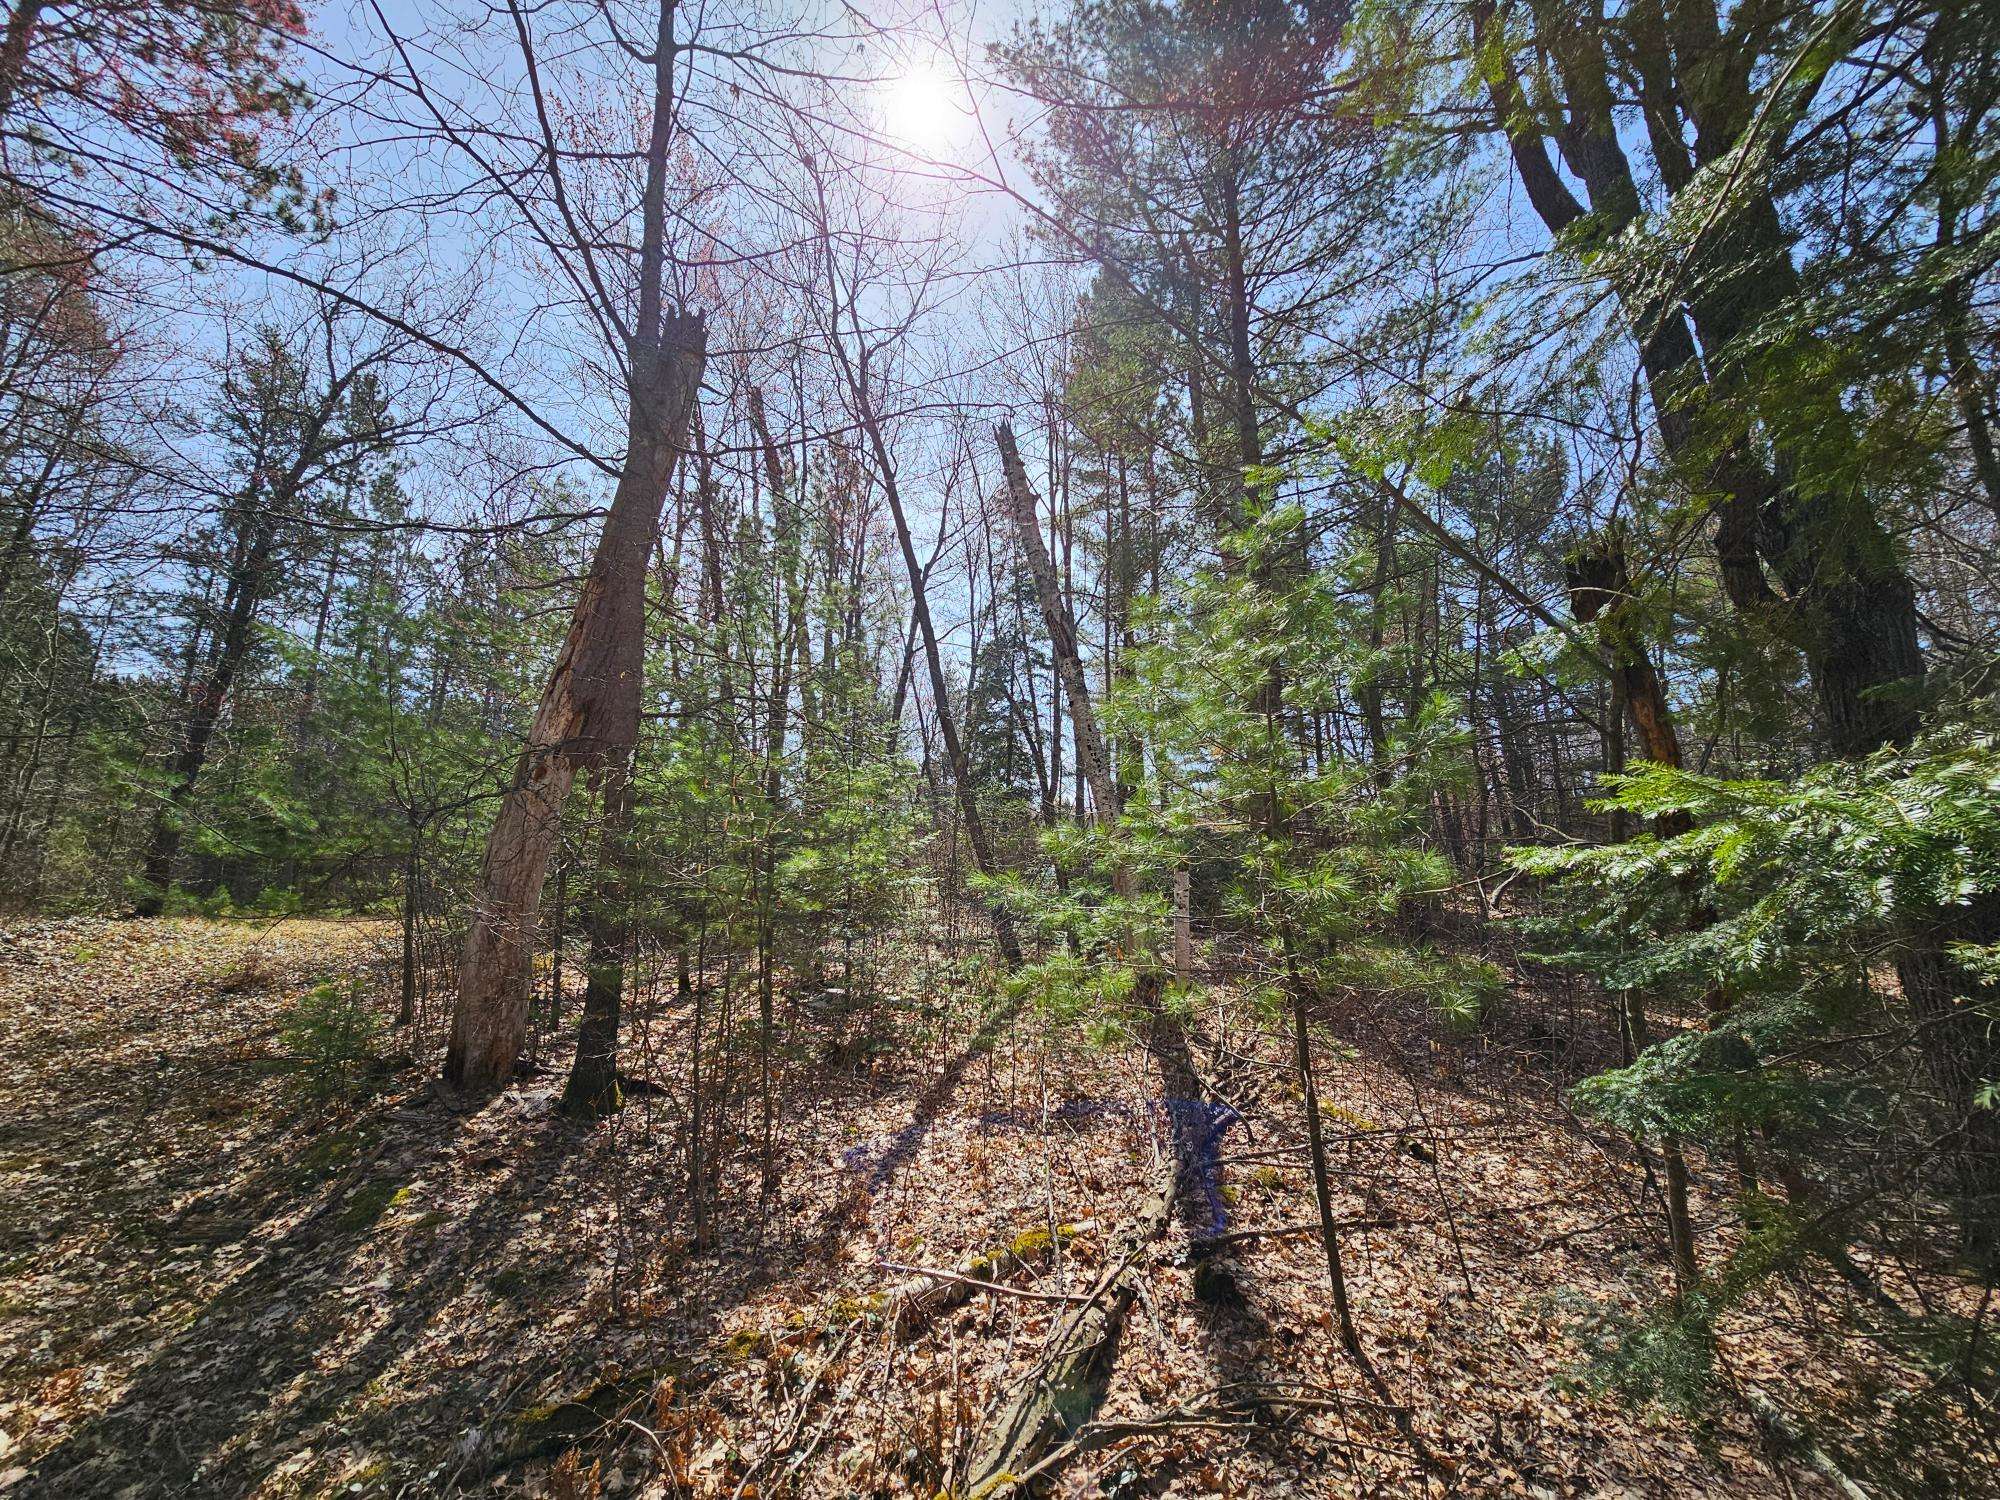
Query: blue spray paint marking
[1202,1126]
[1196,1127]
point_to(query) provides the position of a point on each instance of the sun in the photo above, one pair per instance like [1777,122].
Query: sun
[921,107]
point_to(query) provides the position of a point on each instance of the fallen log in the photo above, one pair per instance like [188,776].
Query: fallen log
[929,1294]
[1063,1392]
[1054,1401]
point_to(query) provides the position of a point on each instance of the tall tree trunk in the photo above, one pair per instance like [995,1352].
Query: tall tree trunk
[205,706]
[588,715]
[1368,691]
[592,1090]
[1242,357]
[1519,809]
[787,638]
[1092,757]
[406,1006]
[954,747]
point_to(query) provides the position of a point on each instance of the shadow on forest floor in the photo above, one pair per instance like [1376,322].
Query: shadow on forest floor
[237,1287]
[214,1284]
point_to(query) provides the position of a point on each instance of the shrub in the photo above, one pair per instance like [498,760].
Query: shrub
[333,1032]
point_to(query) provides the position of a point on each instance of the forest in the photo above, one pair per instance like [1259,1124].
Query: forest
[1117,748]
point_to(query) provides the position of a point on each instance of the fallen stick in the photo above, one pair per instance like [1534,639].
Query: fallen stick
[1289,1231]
[1771,1417]
[1256,1393]
[1093,1435]
[790,1436]
[1029,1293]
[930,1293]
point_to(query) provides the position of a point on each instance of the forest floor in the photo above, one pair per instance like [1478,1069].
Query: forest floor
[219,1278]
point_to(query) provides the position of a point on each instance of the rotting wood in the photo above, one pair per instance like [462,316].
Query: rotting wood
[928,1294]
[1055,1399]
[586,713]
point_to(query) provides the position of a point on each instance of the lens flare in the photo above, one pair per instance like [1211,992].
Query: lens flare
[921,108]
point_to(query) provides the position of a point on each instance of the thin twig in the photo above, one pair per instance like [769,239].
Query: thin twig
[1028,1293]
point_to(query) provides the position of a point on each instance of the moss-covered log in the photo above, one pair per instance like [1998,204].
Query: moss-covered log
[1063,1392]
[926,1296]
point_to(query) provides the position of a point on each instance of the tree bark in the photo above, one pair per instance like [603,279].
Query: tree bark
[592,1090]
[787,639]
[406,1006]
[1094,761]
[588,714]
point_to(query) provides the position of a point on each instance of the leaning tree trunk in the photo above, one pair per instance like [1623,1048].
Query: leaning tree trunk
[983,856]
[1090,751]
[588,715]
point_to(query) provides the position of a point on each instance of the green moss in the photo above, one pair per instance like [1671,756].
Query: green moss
[849,1310]
[1346,1117]
[368,1203]
[1032,1242]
